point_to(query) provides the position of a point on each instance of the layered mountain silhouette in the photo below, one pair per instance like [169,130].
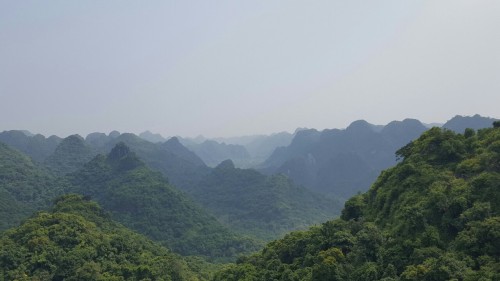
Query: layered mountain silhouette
[262,206]
[342,162]
[154,138]
[459,123]
[213,153]
[144,201]
[38,147]
[245,151]
[70,155]
[181,166]
[434,216]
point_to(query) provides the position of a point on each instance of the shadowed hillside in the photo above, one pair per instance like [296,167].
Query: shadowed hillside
[144,201]
[434,216]
[262,206]
[342,162]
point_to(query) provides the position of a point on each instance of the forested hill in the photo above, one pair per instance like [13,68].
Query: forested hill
[144,201]
[434,216]
[76,240]
[263,206]
[181,166]
[37,146]
[25,187]
[70,155]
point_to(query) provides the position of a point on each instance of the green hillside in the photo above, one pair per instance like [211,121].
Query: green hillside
[181,166]
[24,187]
[434,216]
[266,207]
[144,201]
[70,155]
[76,240]
[38,147]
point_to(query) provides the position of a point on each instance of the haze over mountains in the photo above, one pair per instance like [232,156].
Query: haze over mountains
[433,216]
[167,194]
[335,162]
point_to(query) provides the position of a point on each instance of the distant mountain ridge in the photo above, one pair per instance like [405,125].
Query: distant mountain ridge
[338,162]
[433,216]
[459,123]
[265,207]
[38,147]
[344,162]
[154,138]
[213,153]
[70,155]
[144,201]
[245,151]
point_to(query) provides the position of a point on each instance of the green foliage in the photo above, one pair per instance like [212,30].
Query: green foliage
[70,155]
[37,147]
[434,216]
[181,166]
[353,208]
[265,207]
[24,187]
[145,202]
[76,241]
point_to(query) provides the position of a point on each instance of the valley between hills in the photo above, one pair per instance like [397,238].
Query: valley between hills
[401,201]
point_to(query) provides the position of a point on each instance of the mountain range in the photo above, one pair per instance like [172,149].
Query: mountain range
[341,163]
[262,206]
[433,216]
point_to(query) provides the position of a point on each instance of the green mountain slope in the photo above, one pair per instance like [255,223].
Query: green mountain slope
[262,206]
[37,146]
[70,155]
[24,187]
[143,200]
[434,216]
[75,240]
[181,166]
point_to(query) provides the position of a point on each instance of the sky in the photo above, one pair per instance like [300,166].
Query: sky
[231,68]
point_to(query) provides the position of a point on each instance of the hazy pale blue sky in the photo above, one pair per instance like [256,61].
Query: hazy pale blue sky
[226,68]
